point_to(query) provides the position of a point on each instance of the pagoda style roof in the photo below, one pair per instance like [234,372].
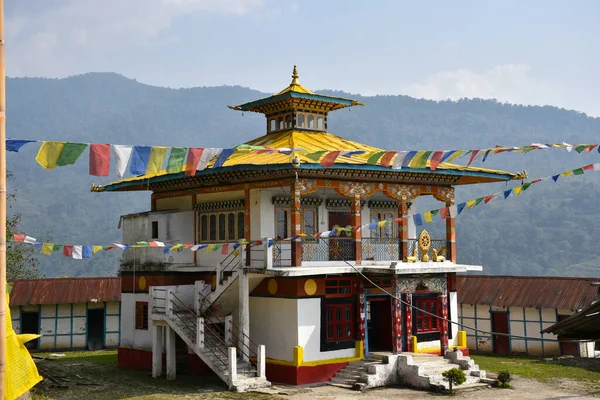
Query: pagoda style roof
[297,95]
[246,165]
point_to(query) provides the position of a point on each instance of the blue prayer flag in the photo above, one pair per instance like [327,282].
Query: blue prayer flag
[223,157]
[418,219]
[139,160]
[460,207]
[507,193]
[16,144]
[555,177]
[408,158]
[87,252]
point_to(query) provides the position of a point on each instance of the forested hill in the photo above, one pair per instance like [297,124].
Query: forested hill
[551,229]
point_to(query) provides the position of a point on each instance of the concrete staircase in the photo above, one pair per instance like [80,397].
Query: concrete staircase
[422,371]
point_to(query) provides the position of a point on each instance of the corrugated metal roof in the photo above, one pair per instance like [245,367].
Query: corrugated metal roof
[64,291]
[584,325]
[527,291]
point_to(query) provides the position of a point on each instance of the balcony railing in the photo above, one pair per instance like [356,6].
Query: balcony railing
[381,249]
[328,249]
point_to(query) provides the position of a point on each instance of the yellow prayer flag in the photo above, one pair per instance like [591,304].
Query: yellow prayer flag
[381,223]
[427,216]
[47,248]
[210,247]
[455,156]
[470,203]
[176,247]
[518,189]
[155,161]
[96,249]
[49,153]
[567,173]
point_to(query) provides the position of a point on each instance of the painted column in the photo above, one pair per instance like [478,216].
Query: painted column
[396,320]
[356,233]
[157,350]
[403,230]
[171,355]
[453,303]
[444,331]
[244,315]
[361,314]
[451,233]
[296,224]
[409,323]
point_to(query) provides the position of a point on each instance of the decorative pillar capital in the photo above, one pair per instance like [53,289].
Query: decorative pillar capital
[404,193]
[360,189]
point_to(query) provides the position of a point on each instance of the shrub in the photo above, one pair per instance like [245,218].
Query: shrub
[503,379]
[454,376]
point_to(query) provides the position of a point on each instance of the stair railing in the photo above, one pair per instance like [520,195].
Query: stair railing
[189,320]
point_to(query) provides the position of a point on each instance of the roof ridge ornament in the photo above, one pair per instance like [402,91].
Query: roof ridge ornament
[295,77]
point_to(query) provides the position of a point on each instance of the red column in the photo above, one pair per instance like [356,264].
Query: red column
[296,225]
[356,234]
[403,231]
[444,331]
[397,326]
[409,323]
[451,235]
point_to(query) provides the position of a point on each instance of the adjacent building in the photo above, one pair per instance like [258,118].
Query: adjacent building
[296,304]
[524,307]
[69,313]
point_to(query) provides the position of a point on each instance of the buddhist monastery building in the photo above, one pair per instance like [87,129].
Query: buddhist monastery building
[308,259]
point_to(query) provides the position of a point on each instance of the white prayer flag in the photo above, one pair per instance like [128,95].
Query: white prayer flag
[122,156]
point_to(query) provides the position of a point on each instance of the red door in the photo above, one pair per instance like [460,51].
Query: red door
[568,348]
[339,219]
[500,325]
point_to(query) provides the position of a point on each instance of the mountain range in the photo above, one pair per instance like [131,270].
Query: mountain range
[550,229]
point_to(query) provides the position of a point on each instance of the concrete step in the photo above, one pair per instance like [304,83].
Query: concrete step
[348,374]
[346,381]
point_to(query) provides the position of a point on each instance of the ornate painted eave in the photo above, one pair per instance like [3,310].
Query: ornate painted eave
[252,173]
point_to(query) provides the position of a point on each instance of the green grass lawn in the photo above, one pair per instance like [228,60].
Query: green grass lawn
[579,369]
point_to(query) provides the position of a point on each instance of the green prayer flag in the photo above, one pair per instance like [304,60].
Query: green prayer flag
[580,148]
[175,162]
[70,153]
[316,155]
[374,157]
[143,244]
[479,200]
[57,247]
[435,212]
[250,147]
[578,171]
[526,185]
[527,149]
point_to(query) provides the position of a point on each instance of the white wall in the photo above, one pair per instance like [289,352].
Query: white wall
[273,322]
[131,337]
[309,332]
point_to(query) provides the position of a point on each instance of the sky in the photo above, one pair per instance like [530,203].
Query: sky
[525,52]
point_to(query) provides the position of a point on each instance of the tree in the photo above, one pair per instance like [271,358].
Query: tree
[454,376]
[20,259]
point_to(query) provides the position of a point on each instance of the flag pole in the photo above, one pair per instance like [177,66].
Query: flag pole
[3,304]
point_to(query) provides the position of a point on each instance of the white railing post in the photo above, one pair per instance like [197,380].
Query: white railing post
[268,253]
[218,276]
[198,287]
[260,361]
[152,305]
[241,256]
[200,333]
[232,366]
[228,328]
[169,303]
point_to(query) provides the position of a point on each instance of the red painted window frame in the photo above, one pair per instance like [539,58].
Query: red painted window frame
[421,319]
[141,315]
[346,317]
[334,288]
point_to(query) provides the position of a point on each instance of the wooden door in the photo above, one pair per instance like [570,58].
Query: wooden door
[568,348]
[501,343]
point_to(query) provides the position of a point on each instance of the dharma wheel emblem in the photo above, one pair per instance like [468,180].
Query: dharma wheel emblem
[424,245]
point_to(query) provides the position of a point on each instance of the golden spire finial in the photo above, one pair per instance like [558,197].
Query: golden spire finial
[294,77]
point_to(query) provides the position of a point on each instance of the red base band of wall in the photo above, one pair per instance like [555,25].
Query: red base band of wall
[142,360]
[302,375]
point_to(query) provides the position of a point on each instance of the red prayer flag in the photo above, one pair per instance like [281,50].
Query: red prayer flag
[386,160]
[588,167]
[330,158]
[435,159]
[590,148]
[19,237]
[225,249]
[68,250]
[473,155]
[99,159]
[488,198]
[444,212]
[193,158]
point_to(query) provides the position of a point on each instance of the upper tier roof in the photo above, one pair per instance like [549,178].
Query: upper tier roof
[247,160]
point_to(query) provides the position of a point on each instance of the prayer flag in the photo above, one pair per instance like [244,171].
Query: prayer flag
[139,160]
[420,159]
[87,252]
[330,158]
[399,159]
[456,154]
[417,220]
[122,156]
[567,173]
[381,224]
[517,190]
[167,249]
[478,200]
[29,239]
[588,167]
[435,159]
[373,225]
[48,154]
[99,159]
[15,144]
[193,159]
[427,216]
[225,249]
[435,212]
[487,152]
[487,199]
[578,171]
[70,153]
[447,154]
[176,247]
[225,153]
[526,185]
[473,155]
[444,212]
[386,160]
[210,248]
[57,247]
[555,177]
[315,156]
[470,204]
[507,193]
[176,157]
[580,148]
[19,237]
[374,157]
[207,155]
[460,207]
[596,166]
[96,249]
[47,248]
[350,153]
[591,147]
[408,158]
[68,250]
[453,211]
[157,157]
